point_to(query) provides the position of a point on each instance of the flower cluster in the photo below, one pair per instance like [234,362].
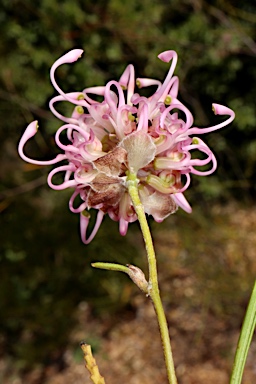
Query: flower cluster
[124,134]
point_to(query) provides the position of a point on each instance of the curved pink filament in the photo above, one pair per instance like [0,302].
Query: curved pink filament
[168,163]
[143,119]
[182,202]
[127,80]
[67,175]
[123,226]
[167,56]
[84,222]
[174,86]
[76,117]
[186,185]
[98,113]
[30,131]
[62,98]
[112,120]
[219,110]
[131,84]
[70,147]
[206,173]
[189,117]
[120,125]
[202,147]
[172,89]
[68,58]
[112,104]
[113,214]
[97,90]
[81,207]
[136,99]
[147,82]
[65,184]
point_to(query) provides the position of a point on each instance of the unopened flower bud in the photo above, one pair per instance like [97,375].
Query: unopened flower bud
[138,277]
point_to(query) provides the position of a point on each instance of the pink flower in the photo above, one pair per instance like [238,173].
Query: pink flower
[126,133]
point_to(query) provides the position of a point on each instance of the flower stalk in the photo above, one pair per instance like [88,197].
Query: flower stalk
[153,290]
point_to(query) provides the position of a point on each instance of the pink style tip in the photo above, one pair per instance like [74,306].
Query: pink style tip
[31,130]
[166,56]
[219,109]
[72,56]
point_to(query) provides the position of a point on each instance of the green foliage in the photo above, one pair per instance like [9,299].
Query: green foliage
[44,269]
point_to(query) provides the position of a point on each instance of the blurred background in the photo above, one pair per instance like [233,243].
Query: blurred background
[50,298]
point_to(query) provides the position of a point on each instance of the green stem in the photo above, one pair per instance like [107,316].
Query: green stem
[153,290]
[111,267]
[244,340]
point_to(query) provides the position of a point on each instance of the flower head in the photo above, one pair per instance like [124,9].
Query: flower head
[126,133]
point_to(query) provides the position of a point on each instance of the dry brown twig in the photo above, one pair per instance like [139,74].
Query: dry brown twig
[91,365]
